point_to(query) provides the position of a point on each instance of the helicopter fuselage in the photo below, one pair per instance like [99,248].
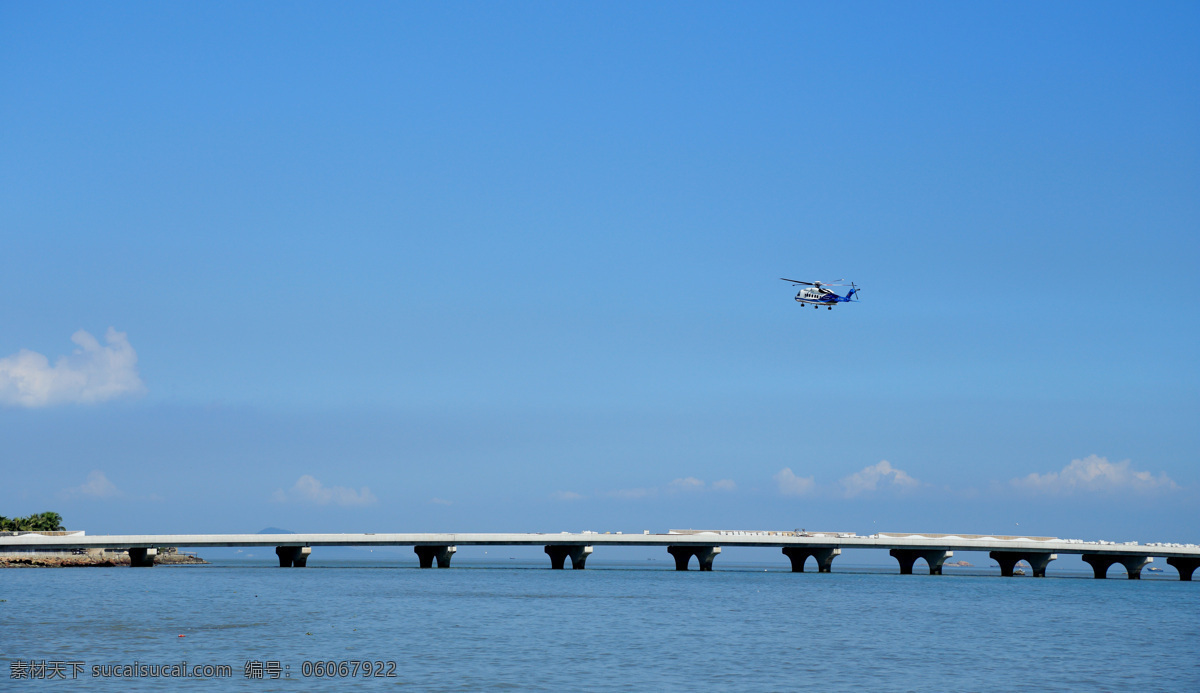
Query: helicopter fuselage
[816,296]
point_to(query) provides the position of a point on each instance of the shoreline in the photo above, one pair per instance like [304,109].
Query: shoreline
[92,561]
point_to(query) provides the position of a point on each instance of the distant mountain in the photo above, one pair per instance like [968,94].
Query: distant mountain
[274,530]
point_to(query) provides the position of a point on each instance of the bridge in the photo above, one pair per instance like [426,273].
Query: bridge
[798,546]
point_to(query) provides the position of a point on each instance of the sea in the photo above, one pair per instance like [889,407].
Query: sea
[618,626]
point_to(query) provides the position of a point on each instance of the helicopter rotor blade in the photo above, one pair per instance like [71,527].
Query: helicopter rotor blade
[797,281]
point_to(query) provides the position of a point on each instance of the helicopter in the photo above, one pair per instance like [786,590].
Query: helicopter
[819,296]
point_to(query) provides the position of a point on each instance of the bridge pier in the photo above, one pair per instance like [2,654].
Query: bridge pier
[559,553]
[293,556]
[427,554]
[1008,560]
[933,557]
[799,554]
[1039,562]
[704,555]
[1101,562]
[1185,566]
[142,557]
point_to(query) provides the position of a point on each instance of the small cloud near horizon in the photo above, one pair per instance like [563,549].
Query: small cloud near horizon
[690,483]
[89,375]
[308,490]
[96,486]
[687,484]
[874,477]
[440,501]
[1094,474]
[566,495]
[632,493]
[792,485]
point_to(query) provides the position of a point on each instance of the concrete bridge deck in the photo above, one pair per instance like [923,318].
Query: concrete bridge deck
[294,549]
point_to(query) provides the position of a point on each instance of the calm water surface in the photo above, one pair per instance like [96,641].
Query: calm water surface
[607,628]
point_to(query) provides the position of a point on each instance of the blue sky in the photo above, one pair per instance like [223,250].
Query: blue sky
[481,267]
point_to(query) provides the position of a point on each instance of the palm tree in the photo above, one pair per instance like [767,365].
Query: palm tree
[38,522]
[47,522]
[53,521]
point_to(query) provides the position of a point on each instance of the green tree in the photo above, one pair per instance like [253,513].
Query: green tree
[48,522]
[38,522]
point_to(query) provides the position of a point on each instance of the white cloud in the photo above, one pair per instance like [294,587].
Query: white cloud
[309,490]
[1092,474]
[91,374]
[792,485]
[633,493]
[877,475]
[690,483]
[687,484]
[435,501]
[565,495]
[96,486]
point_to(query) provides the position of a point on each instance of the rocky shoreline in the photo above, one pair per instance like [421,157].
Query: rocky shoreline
[106,560]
